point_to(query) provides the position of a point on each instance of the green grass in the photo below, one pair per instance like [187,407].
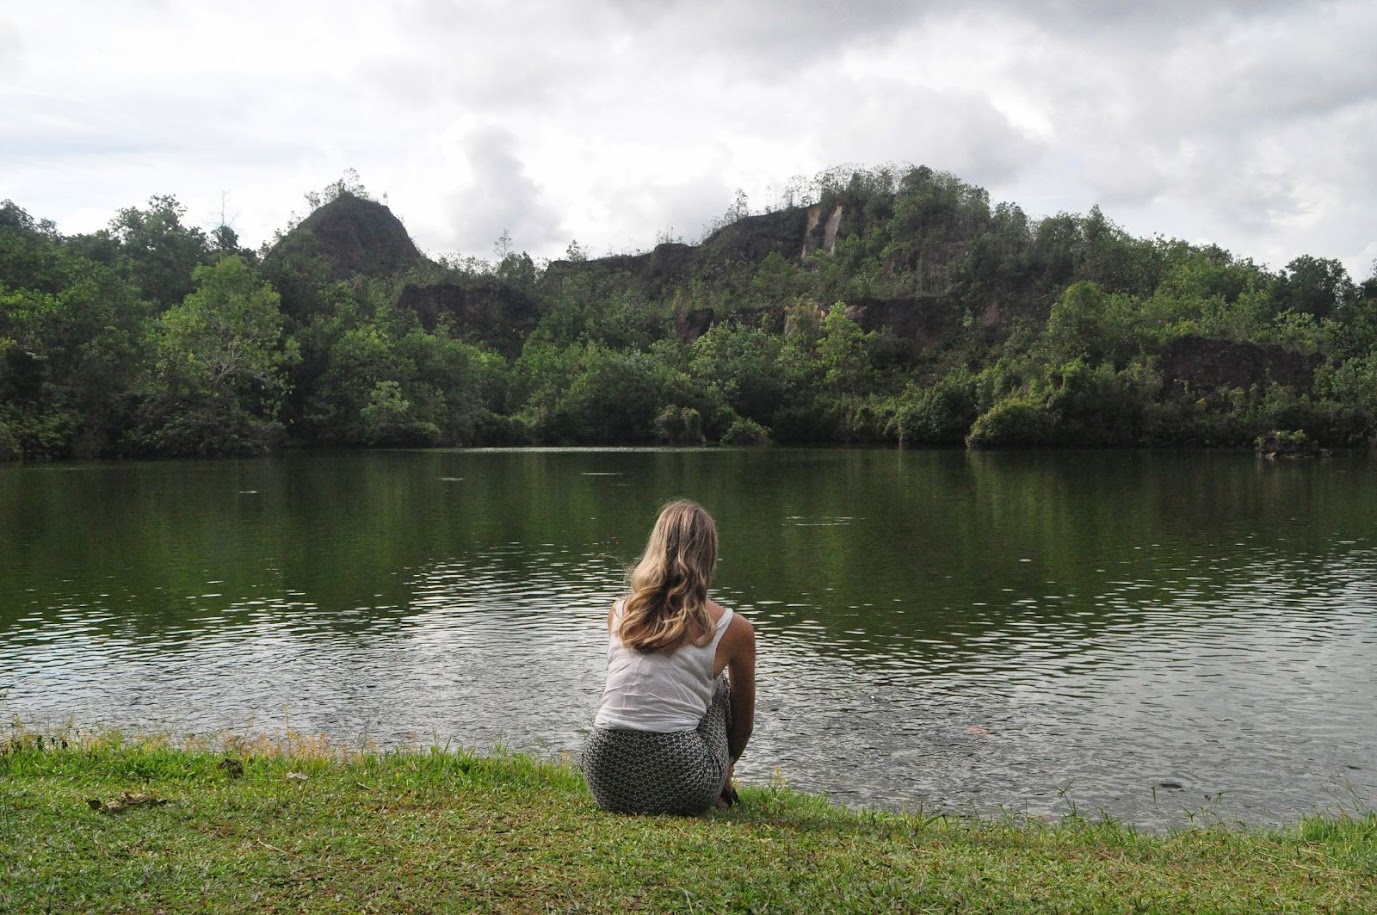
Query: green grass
[433,831]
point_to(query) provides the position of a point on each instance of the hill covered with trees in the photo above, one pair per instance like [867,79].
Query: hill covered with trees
[889,305]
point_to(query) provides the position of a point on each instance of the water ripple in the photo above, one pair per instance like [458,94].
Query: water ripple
[903,662]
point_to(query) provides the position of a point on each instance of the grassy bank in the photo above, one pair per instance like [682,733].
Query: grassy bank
[297,826]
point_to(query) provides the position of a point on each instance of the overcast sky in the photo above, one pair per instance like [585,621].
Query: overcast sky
[1251,124]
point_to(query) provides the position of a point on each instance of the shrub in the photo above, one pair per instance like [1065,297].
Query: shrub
[745,431]
[9,444]
[1013,423]
[1095,405]
[942,414]
[679,426]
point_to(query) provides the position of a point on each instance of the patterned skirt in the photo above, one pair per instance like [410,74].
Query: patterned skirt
[647,772]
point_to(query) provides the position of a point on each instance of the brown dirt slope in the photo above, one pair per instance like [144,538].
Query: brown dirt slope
[1202,365]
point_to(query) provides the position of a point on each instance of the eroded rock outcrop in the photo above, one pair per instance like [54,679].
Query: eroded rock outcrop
[821,235]
[353,235]
[486,311]
[1201,365]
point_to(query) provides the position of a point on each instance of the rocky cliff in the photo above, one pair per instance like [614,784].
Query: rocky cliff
[352,236]
[486,311]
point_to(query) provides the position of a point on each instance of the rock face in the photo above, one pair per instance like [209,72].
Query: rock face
[922,322]
[1202,365]
[486,311]
[753,238]
[827,235]
[690,325]
[727,260]
[356,236]
[657,272]
[742,245]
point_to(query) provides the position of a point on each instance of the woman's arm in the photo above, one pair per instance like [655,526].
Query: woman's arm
[740,638]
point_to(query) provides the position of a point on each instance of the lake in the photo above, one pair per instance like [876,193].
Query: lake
[1165,637]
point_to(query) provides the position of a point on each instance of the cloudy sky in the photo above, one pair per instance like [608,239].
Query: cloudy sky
[1248,123]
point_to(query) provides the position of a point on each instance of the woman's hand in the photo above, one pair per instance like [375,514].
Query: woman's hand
[729,798]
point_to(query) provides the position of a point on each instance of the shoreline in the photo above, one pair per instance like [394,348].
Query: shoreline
[117,823]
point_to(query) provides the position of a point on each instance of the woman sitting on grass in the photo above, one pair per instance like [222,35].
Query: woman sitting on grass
[679,705]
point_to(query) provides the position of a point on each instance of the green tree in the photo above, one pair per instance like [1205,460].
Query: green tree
[592,394]
[937,415]
[458,387]
[72,342]
[220,374]
[739,364]
[390,418]
[935,215]
[776,280]
[842,353]
[1088,323]
[1315,286]
[356,364]
[519,271]
[158,253]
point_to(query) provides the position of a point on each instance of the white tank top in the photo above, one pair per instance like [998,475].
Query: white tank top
[658,691]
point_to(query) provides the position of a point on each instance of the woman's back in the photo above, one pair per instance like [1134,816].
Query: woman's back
[659,691]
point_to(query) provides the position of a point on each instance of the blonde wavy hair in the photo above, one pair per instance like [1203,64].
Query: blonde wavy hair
[668,603]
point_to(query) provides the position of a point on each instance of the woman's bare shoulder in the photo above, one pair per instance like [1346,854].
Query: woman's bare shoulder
[738,625]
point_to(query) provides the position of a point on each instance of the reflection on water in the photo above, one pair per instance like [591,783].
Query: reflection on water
[1146,635]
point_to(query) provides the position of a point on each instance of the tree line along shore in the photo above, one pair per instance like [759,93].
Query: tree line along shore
[887,305]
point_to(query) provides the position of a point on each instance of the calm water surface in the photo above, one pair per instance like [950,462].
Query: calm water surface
[938,630]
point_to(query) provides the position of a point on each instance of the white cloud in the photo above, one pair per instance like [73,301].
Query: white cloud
[11,50]
[500,198]
[1249,124]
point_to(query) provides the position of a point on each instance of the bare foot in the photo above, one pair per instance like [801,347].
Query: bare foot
[728,797]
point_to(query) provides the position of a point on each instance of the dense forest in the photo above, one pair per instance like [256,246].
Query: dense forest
[885,305]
